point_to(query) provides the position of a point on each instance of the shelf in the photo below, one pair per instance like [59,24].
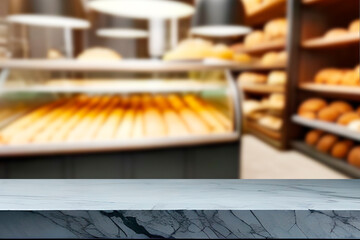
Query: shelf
[132,65]
[106,146]
[337,89]
[121,86]
[262,88]
[309,2]
[267,11]
[270,135]
[335,163]
[327,127]
[264,47]
[351,38]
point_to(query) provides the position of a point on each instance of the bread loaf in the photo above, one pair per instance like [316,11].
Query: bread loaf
[342,149]
[326,143]
[313,137]
[275,29]
[354,157]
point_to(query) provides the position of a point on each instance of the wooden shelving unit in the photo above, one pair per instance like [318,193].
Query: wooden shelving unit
[310,53]
[350,38]
[265,47]
[327,127]
[328,160]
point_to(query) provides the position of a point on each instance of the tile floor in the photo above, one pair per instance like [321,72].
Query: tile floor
[261,161]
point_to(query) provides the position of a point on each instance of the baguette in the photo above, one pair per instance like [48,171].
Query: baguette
[175,126]
[205,114]
[125,129]
[83,126]
[62,133]
[29,133]
[154,125]
[108,129]
[99,120]
[23,122]
[193,122]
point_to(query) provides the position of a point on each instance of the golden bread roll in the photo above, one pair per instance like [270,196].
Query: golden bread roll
[99,53]
[341,106]
[242,57]
[354,157]
[275,101]
[326,143]
[354,26]
[308,115]
[312,105]
[222,51]
[276,29]
[274,123]
[54,54]
[351,78]
[336,32]
[254,38]
[270,58]
[22,123]
[324,75]
[191,49]
[250,77]
[204,113]
[342,149]
[252,5]
[194,123]
[277,78]
[348,117]
[313,137]
[328,114]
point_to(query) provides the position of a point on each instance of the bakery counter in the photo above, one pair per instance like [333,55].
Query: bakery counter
[179,209]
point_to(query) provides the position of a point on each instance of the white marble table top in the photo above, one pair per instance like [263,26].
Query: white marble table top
[64,195]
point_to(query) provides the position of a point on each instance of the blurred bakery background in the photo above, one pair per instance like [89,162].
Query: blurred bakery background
[179,89]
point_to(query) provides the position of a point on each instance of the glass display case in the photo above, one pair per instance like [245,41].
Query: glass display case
[59,108]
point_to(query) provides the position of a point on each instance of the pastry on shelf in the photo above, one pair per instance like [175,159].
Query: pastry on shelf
[348,117]
[277,78]
[251,77]
[351,78]
[341,106]
[336,32]
[354,157]
[273,58]
[341,149]
[275,101]
[250,106]
[222,51]
[252,5]
[312,105]
[354,26]
[313,137]
[275,29]
[271,122]
[328,114]
[254,38]
[329,76]
[243,58]
[99,53]
[54,54]
[326,143]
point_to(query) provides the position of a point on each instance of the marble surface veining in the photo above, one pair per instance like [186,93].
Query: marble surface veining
[199,209]
[179,194]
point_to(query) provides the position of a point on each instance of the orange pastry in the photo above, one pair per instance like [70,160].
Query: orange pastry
[326,143]
[341,106]
[342,149]
[328,114]
[354,157]
[354,26]
[333,33]
[313,137]
[312,105]
[348,117]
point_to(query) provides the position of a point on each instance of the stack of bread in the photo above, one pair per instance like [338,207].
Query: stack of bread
[354,27]
[339,112]
[273,30]
[337,147]
[90,118]
[264,111]
[273,78]
[334,76]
